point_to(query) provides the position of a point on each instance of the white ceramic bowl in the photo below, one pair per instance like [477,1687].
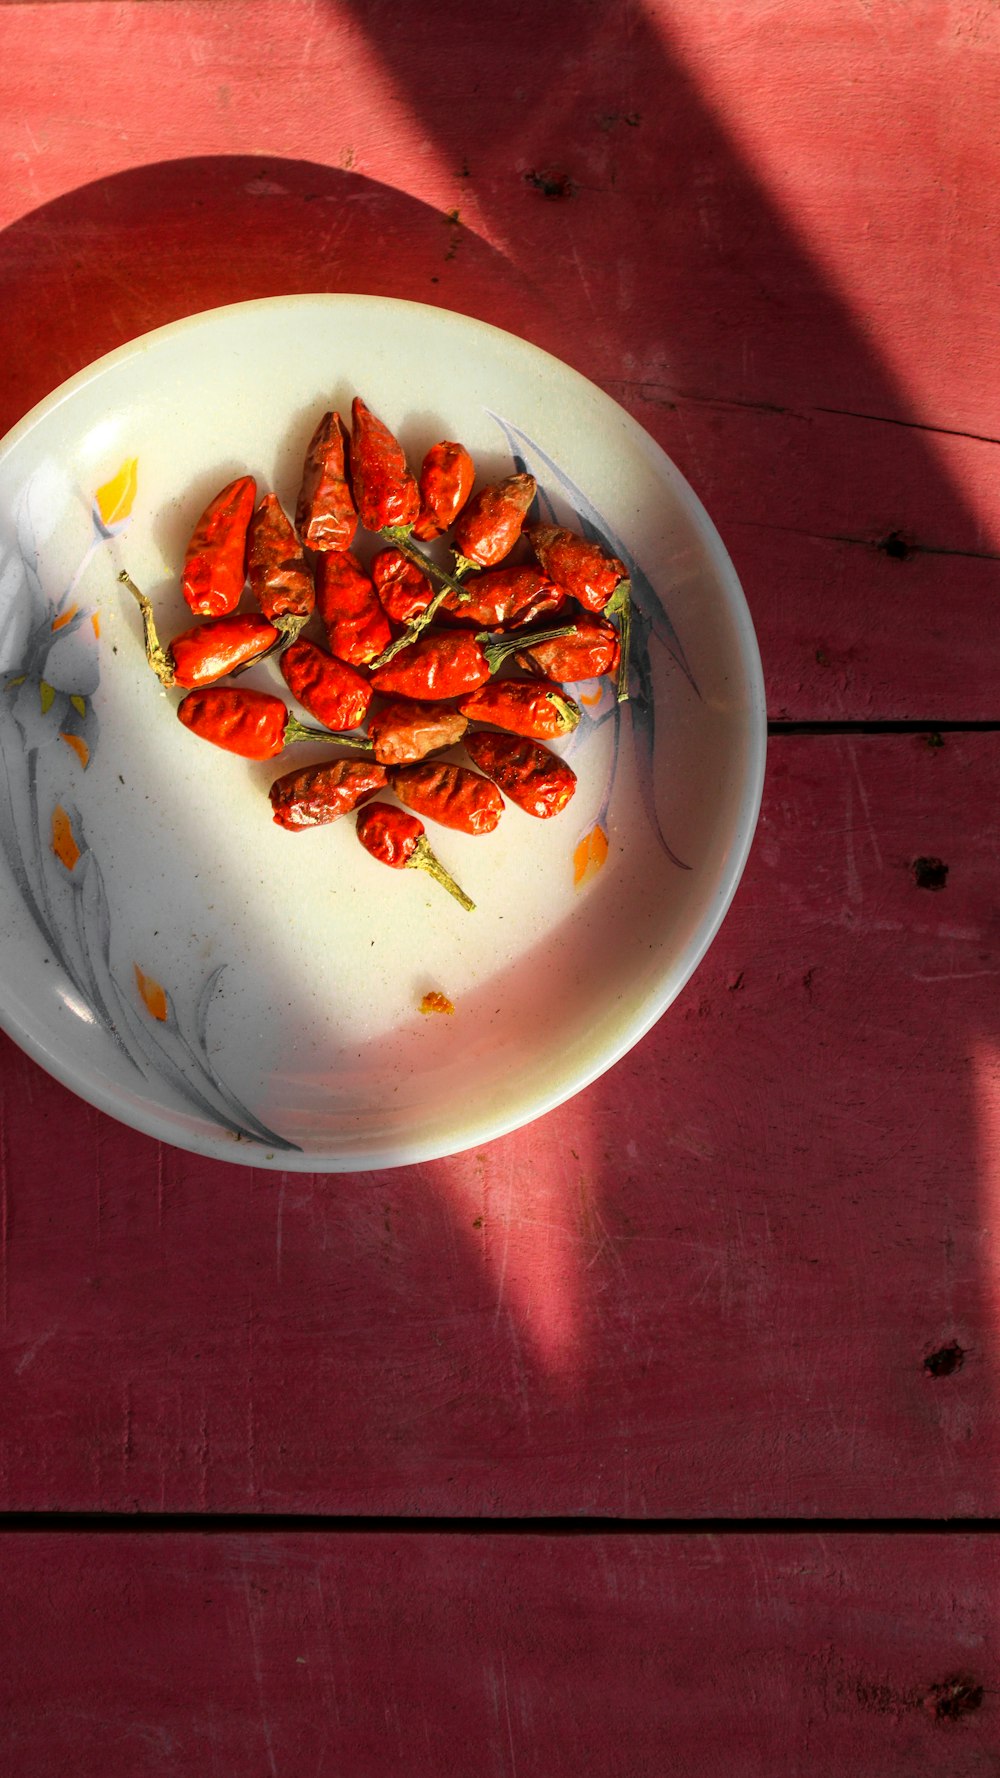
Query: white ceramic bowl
[186,965]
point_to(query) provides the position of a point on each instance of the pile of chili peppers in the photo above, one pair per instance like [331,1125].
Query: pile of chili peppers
[407,659]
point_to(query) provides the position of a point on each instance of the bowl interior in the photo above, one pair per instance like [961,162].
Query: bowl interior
[182,962]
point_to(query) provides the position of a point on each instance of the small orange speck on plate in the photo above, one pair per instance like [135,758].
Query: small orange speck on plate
[153,996]
[589,856]
[79,747]
[435,1002]
[590,698]
[63,838]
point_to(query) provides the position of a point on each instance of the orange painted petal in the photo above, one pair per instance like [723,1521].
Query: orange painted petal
[114,498]
[79,747]
[154,997]
[95,620]
[590,699]
[65,617]
[589,856]
[63,838]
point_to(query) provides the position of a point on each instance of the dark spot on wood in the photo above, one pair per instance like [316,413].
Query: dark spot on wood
[934,739]
[954,1698]
[945,1361]
[822,658]
[894,545]
[929,873]
[734,982]
[550,184]
[807,980]
[477,1222]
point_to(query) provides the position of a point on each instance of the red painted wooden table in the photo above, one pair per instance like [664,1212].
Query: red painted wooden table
[729,1319]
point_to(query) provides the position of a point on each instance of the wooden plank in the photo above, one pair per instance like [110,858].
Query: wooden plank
[710,1285]
[527,1657]
[751,235]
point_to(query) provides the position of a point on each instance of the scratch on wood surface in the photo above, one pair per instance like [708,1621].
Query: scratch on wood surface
[33,1350]
[279,1224]
[259,1673]
[872,835]
[4,1212]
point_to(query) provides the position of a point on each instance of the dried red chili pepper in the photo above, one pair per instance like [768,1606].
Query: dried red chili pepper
[214,572]
[505,597]
[280,577]
[254,724]
[206,652]
[398,839]
[489,526]
[404,590]
[589,653]
[316,795]
[534,708]
[447,474]
[449,663]
[385,492]
[535,779]
[583,569]
[452,795]
[404,730]
[326,517]
[357,628]
[331,691]
[598,581]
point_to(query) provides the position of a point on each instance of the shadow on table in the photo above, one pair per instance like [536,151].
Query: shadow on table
[712,1283]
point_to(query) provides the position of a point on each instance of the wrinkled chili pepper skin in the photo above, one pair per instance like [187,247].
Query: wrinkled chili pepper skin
[441,664]
[390,835]
[581,568]
[326,517]
[250,723]
[403,591]
[214,572]
[487,529]
[279,575]
[535,779]
[593,651]
[385,492]
[357,628]
[404,731]
[316,795]
[534,708]
[451,795]
[336,694]
[505,598]
[447,474]
[209,651]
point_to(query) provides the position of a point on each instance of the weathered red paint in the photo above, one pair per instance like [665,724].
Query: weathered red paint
[707,1285]
[528,1657]
[750,1272]
[760,227]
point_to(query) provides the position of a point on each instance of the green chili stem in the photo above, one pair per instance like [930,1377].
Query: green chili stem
[159,658]
[496,652]
[465,564]
[567,711]
[288,626]
[400,536]
[620,605]
[422,858]
[297,731]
